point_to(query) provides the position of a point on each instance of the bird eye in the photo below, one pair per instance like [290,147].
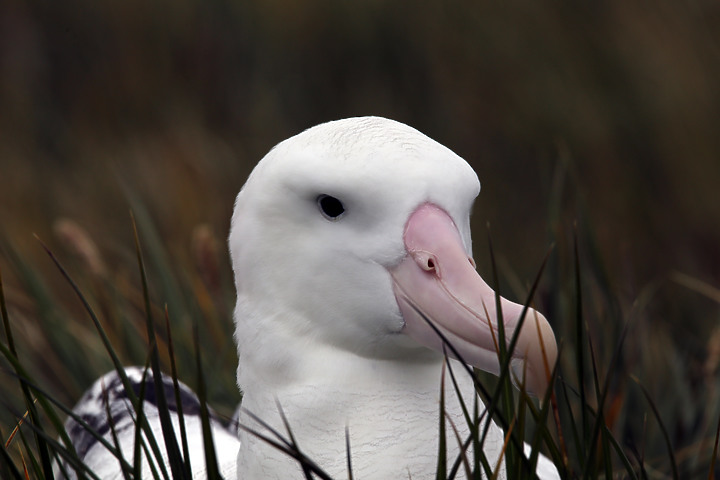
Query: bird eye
[331,207]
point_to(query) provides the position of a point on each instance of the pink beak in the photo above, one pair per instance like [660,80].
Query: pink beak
[438,278]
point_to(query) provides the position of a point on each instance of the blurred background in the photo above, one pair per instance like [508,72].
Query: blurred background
[601,118]
[182,98]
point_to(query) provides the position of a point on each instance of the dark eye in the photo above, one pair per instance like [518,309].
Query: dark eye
[331,207]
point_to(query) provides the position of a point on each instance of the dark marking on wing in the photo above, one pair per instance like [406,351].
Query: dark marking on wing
[108,393]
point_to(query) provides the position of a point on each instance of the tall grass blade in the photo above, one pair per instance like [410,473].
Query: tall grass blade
[711,475]
[661,424]
[176,388]
[621,455]
[285,442]
[463,406]
[34,417]
[479,452]
[441,471]
[505,388]
[473,423]
[563,460]
[462,455]
[576,434]
[543,433]
[579,349]
[6,319]
[600,417]
[211,465]
[520,417]
[115,439]
[600,414]
[140,443]
[177,465]
[503,452]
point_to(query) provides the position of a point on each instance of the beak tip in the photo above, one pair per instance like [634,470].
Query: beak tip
[542,357]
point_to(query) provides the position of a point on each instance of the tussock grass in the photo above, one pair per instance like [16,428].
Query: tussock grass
[601,419]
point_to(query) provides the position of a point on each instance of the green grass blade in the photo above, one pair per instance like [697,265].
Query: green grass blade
[600,414]
[664,431]
[607,459]
[543,433]
[6,319]
[715,452]
[600,418]
[441,470]
[177,465]
[140,442]
[463,406]
[115,439]
[579,350]
[473,423]
[176,387]
[480,458]
[621,455]
[504,391]
[211,465]
[34,417]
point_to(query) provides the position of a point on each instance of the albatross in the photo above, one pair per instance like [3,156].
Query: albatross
[356,286]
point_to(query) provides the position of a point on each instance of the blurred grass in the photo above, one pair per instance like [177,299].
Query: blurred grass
[604,115]
[607,423]
[185,97]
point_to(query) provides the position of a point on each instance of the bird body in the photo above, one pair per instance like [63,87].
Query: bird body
[352,259]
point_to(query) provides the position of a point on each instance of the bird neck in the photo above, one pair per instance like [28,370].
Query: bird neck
[390,409]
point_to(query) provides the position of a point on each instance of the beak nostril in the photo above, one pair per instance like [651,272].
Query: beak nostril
[426,261]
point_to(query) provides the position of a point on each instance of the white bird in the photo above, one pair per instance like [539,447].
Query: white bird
[341,236]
